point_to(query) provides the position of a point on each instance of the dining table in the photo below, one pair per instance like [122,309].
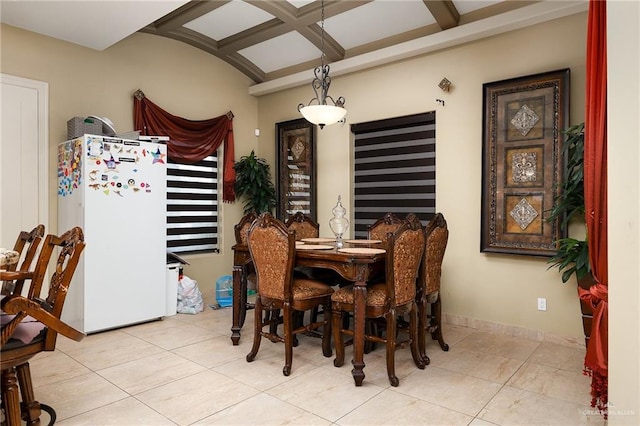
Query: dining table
[357,261]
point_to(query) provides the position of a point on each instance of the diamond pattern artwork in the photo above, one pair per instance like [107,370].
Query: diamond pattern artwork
[297,149]
[523,213]
[524,166]
[524,120]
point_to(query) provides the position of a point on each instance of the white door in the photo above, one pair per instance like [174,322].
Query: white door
[24,166]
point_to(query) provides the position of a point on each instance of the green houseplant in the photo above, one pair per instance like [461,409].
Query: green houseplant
[572,257]
[253,183]
[573,254]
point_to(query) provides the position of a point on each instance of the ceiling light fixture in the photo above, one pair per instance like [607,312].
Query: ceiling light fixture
[317,111]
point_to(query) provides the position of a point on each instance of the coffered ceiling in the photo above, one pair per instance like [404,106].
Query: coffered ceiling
[273,41]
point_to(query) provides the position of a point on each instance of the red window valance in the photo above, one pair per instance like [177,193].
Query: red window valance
[189,140]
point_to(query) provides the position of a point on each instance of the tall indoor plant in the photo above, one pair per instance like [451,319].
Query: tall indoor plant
[572,257]
[253,184]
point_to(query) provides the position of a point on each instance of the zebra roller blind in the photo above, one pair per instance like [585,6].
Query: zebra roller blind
[395,169]
[192,206]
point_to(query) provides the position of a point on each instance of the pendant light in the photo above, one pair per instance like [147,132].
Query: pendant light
[317,111]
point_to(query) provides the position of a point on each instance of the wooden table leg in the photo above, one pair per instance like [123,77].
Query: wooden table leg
[360,297]
[236,325]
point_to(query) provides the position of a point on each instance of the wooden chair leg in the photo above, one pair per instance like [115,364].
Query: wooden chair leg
[419,359]
[436,324]
[11,397]
[422,328]
[370,329]
[273,314]
[338,341]
[391,348]
[288,320]
[30,407]
[257,331]
[326,330]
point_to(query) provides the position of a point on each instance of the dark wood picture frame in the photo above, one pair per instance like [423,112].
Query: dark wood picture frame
[296,170]
[523,121]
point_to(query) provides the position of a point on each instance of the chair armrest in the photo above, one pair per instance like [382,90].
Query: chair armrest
[15,275]
[17,304]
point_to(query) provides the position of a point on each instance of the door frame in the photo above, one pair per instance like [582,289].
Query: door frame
[42,88]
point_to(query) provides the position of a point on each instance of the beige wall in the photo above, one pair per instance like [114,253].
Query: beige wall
[489,288]
[623,100]
[179,78]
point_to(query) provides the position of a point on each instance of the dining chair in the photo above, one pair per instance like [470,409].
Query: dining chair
[272,249]
[31,325]
[303,225]
[26,245]
[428,287]
[379,229]
[389,299]
[241,232]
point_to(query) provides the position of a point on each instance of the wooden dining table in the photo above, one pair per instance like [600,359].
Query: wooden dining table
[358,268]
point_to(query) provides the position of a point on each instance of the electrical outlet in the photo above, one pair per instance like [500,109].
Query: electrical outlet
[542,304]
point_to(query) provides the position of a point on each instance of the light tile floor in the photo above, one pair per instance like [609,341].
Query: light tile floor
[183,370]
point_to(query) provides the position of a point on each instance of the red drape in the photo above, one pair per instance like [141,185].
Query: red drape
[595,188]
[189,140]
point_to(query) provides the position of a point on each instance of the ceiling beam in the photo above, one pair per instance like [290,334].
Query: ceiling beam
[444,12]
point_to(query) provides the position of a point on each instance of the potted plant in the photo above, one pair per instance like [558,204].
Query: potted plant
[253,183]
[572,257]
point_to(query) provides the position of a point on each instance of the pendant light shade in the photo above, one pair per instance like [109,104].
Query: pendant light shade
[323,114]
[318,111]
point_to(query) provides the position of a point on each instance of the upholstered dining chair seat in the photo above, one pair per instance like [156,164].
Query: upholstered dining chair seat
[28,331]
[377,295]
[306,289]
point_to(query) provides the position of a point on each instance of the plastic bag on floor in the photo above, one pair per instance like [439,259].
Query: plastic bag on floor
[190,299]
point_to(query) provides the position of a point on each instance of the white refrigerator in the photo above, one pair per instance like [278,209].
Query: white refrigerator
[115,189]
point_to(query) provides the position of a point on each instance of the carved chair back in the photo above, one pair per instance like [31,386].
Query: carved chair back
[241,229]
[436,236]
[405,248]
[389,223]
[272,249]
[27,243]
[303,226]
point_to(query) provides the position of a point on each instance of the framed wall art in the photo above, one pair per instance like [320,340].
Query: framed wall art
[296,169]
[523,120]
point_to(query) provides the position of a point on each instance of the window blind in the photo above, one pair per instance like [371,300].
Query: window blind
[394,169]
[192,206]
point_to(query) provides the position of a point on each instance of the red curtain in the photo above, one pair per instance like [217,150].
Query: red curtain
[189,141]
[595,188]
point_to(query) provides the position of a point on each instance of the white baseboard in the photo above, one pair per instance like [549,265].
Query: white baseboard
[512,330]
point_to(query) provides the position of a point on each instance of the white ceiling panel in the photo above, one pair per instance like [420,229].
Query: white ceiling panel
[281,52]
[466,6]
[299,3]
[230,19]
[377,20]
